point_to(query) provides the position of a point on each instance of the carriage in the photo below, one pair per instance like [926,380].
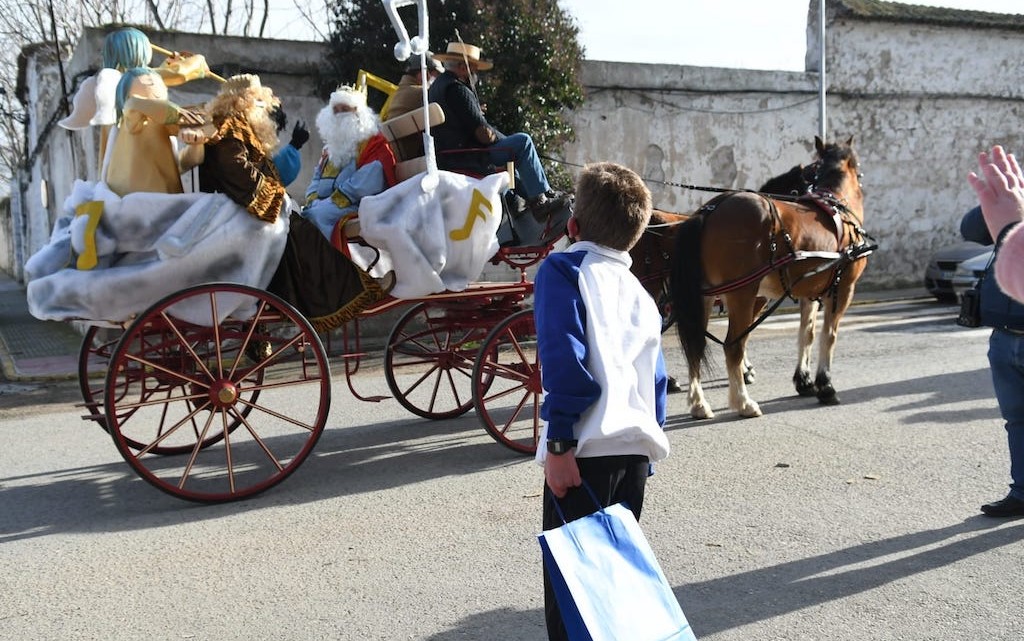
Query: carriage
[207,411]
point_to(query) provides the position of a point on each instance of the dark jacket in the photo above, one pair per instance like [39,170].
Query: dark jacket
[997,309]
[462,113]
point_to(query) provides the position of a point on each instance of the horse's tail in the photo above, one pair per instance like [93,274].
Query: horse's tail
[685,282]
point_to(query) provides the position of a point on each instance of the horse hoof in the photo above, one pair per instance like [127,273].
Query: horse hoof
[701,411]
[749,376]
[750,411]
[804,385]
[828,398]
[673,385]
[806,389]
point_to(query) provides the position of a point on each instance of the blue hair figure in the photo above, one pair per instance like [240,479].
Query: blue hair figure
[124,86]
[126,48]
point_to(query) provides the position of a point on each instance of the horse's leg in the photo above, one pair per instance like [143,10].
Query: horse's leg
[699,406]
[749,375]
[805,339]
[834,310]
[741,314]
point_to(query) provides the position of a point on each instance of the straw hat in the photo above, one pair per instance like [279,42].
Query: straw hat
[462,52]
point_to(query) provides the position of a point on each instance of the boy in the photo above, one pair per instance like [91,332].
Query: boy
[599,338]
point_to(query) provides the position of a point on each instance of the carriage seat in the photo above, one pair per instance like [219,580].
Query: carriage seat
[405,137]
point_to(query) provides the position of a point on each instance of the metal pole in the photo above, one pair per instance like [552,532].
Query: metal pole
[821,70]
[60,62]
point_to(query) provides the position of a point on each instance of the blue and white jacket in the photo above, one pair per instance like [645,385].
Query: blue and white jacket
[599,339]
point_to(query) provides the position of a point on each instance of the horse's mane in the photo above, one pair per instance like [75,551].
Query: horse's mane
[785,184]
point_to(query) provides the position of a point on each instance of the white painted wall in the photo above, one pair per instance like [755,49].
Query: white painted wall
[920,100]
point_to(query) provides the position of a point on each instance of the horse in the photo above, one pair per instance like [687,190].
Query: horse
[651,255]
[748,247]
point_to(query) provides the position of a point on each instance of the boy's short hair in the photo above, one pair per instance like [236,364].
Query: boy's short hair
[613,205]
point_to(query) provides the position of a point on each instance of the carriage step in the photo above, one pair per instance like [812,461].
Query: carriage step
[93,417]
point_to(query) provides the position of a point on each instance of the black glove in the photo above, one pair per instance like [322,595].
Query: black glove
[300,135]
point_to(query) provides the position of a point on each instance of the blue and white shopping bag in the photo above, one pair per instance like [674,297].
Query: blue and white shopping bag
[607,582]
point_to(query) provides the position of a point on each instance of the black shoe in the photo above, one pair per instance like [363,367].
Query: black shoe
[543,206]
[554,227]
[1010,506]
[673,385]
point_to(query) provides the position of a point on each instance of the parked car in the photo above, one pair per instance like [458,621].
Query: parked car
[953,269]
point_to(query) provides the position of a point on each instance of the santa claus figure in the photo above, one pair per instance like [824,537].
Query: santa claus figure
[356,161]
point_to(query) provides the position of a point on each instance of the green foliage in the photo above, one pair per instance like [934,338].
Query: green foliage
[533,44]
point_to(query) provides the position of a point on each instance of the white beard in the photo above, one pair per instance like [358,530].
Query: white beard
[343,133]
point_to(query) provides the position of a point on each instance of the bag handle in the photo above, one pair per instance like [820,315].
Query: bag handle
[558,508]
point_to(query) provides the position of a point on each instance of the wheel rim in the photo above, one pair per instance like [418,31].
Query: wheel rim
[229,399]
[97,345]
[507,378]
[429,362]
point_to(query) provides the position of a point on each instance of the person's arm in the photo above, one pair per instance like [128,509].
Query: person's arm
[973,228]
[465,102]
[245,182]
[288,163]
[367,180]
[999,184]
[165,112]
[1009,265]
[569,387]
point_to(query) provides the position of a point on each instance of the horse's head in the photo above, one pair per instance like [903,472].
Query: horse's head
[838,173]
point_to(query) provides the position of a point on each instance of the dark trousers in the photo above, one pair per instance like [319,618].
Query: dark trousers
[614,479]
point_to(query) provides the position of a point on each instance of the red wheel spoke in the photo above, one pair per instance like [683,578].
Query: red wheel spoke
[260,441]
[280,416]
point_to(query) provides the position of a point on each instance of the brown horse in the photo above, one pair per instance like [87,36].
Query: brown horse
[652,254]
[747,247]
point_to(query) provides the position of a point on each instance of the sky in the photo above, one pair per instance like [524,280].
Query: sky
[751,34]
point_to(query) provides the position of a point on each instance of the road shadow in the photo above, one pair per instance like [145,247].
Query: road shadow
[748,597]
[346,461]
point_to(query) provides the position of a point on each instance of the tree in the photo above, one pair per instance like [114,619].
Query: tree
[533,44]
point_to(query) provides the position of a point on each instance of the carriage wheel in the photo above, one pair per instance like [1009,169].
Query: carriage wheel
[429,362]
[97,345]
[231,398]
[664,303]
[508,385]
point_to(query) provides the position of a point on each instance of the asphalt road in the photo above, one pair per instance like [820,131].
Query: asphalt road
[855,522]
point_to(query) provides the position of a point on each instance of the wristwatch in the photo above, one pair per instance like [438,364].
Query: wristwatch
[561,445]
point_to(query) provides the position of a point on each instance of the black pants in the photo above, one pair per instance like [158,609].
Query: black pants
[614,479]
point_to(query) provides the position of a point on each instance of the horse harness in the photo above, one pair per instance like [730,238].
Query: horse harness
[860,245]
[656,255]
